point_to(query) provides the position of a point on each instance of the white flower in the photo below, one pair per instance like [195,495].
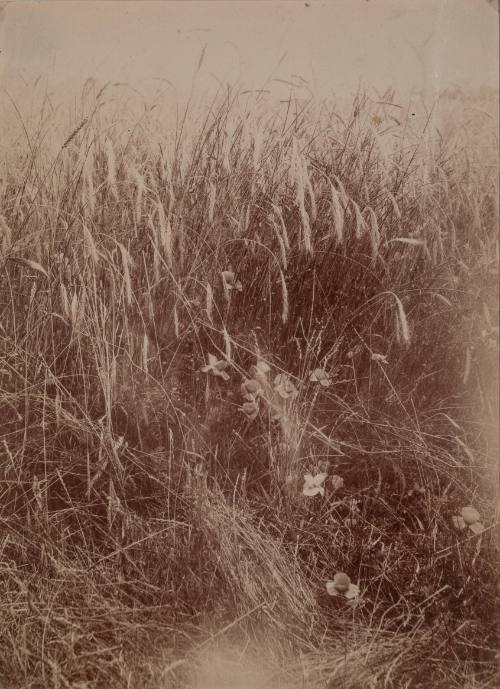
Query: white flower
[217,367]
[469,517]
[260,370]
[250,409]
[313,484]
[284,386]
[342,586]
[379,358]
[250,389]
[319,375]
[355,350]
[229,281]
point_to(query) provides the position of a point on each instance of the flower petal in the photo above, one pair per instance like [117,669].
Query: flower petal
[352,591]
[319,375]
[458,523]
[355,602]
[311,491]
[330,588]
[477,527]
[319,479]
[251,387]
[250,409]
[341,582]
[470,514]
[262,367]
[336,482]
[284,386]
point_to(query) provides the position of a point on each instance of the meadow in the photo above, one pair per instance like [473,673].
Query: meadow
[247,347]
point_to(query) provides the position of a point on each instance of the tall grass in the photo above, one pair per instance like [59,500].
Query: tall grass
[146,514]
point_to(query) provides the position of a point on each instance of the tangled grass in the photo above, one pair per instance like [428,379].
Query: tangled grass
[154,519]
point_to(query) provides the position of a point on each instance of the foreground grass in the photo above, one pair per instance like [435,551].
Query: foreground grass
[154,529]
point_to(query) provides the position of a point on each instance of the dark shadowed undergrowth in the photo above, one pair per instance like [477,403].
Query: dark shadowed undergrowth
[238,354]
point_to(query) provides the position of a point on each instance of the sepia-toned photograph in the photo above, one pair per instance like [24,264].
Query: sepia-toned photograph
[249,344]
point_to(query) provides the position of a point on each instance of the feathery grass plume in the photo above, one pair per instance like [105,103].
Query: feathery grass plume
[366,192]
[310,192]
[126,265]
[145,353]
[403,321]
[374,232]
[111,166]
[344,198]
[440,253]
[360,226]
[209,302]
[397,326]
[90,247]
[244,220]
[32,265]
[211,201]
[6,235]
[74,133]
[394,203]
[88,180]
[73,310]
[278,212]
[298,171]
[63,295]
[156,250]
[284,297]
[306,227]
[227,343]
[453,236]
[82,304]
[176,323]
[281,243]
[338,214]
[411,241]
[165,234]
[140,186]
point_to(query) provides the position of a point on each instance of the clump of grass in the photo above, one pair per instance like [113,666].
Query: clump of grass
[336,275]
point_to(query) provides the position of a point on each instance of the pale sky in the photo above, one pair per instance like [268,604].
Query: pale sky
[411,44]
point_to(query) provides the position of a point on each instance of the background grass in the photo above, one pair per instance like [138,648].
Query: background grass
[151,534]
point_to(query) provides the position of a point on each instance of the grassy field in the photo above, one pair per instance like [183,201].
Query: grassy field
[244,347]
